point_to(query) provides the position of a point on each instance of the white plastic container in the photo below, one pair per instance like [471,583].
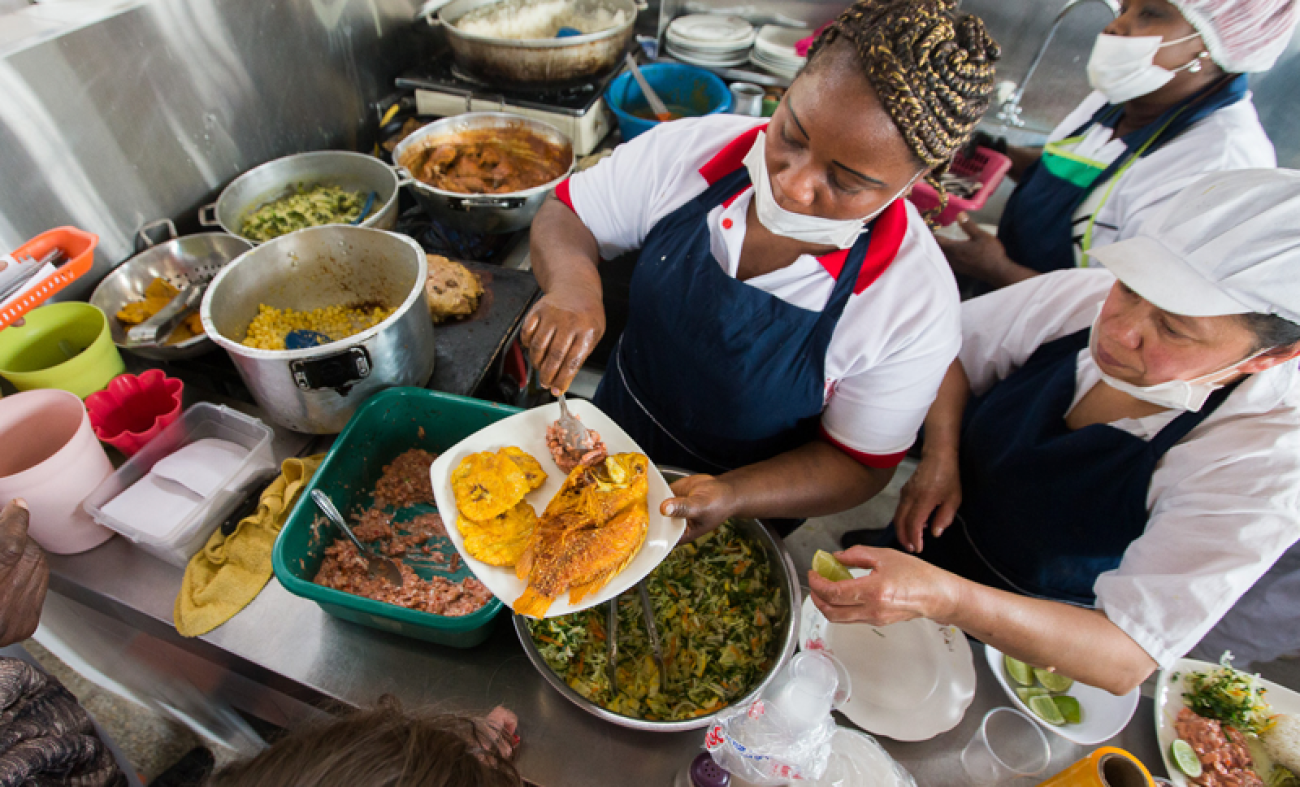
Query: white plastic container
[200,421]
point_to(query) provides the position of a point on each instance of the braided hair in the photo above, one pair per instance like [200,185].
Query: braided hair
[931,67]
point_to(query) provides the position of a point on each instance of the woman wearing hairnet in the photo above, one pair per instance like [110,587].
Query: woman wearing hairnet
[1170,104]
[1111,464]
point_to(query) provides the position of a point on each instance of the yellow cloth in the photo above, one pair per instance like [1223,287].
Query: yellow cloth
[232,570]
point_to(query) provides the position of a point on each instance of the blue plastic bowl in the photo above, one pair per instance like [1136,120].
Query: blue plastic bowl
[678,85]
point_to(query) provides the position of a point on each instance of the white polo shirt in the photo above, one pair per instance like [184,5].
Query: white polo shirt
[899,331]
[1229,138]
[1224,502]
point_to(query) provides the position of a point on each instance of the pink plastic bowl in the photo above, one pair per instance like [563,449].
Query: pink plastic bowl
[133,410]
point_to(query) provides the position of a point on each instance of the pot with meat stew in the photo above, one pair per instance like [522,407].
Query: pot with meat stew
[484,172]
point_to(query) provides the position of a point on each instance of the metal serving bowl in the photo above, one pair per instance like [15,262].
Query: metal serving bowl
[537,59]
[179,262]
[487,213]
[274,179]
[787,578]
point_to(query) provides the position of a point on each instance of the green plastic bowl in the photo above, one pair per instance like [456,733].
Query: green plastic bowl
[387,424]
[63,345]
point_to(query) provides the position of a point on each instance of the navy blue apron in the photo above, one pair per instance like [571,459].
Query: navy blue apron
[712,373]
[1046,509]
[1037,225]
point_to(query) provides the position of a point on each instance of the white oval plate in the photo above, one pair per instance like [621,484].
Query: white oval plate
[527,430]
[1104,714]
[1169,700]
[709,31]
[891,666]
[778,42]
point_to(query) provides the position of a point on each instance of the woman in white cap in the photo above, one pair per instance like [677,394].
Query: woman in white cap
[1119,461]
[1170,103]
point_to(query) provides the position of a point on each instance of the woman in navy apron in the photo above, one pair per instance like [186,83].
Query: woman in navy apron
[714,374]
[1076,536]
[1172,102]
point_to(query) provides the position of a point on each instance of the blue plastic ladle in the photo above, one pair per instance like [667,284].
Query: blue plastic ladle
[365,210]
[302,338]
[567,32]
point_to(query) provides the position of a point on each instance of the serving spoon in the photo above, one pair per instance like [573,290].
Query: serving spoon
[660,111]
[377,565]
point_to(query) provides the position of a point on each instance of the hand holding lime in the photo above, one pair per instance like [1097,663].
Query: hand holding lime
[825,564]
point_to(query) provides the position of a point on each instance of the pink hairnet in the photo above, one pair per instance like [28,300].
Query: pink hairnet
[1242,35]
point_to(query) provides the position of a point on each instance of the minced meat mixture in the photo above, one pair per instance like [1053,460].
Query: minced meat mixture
[1222,750]
[406,480]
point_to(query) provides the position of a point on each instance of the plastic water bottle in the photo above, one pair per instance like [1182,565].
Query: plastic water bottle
[703,772]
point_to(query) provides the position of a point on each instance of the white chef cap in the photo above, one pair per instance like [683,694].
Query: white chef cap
[1242,35]
[1227,244]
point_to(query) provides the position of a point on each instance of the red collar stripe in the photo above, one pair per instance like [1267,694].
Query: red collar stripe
[562,194]
[730,158]
[875,461]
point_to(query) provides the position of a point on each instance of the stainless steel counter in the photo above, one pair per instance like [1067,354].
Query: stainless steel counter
[290,652]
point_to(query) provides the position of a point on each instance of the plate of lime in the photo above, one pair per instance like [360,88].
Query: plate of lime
[1081,714]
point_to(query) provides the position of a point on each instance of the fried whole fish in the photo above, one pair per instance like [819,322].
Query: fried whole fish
[590,531]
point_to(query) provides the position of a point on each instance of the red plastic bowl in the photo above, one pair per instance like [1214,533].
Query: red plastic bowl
[132,410]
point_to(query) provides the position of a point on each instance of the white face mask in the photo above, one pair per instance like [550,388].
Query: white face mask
[1175,394]
[810,229]
[1123,67]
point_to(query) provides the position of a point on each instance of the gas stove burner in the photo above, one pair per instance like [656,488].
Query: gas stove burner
[437,238]
[487,87]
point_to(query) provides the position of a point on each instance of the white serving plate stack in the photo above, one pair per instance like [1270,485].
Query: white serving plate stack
[774,50]
[710,41]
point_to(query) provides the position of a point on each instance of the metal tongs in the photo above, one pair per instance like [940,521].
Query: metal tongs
[652,631]
[155,330]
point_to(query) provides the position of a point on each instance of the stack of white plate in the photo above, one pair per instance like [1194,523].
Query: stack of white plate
[710,41]
[774,50]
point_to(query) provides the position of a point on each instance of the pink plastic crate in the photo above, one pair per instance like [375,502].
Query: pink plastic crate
[989,166]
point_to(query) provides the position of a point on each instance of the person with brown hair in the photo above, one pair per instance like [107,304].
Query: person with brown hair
[790,314]
[386,746]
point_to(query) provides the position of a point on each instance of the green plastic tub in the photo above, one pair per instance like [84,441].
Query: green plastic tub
[386,425]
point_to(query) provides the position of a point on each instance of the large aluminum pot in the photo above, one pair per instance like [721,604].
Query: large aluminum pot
[317,389]
[482,213]
[274,179]
[179,262]
[538,59]
[787,578]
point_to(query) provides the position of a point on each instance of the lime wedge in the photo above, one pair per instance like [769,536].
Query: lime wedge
[1069,708]
[1027,692]
[1046,710]
[824,563]
[1019,671]
[1184,756]
[1053,681]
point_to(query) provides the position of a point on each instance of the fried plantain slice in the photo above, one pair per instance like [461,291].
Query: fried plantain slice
[500,540]
[532,468]
[486,485]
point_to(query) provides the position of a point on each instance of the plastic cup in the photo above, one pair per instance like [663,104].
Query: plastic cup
[53,461]
[805,690]
[63,345]
[1008,745]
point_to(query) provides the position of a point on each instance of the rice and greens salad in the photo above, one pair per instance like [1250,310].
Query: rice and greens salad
[717,606]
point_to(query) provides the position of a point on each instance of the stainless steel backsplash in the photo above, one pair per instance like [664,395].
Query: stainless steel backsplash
[149,113]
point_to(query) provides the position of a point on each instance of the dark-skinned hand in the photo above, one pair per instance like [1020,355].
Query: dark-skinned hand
[982,256]
[560,331]
[931,496]
[24,576]
[705,502]
[900,587]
